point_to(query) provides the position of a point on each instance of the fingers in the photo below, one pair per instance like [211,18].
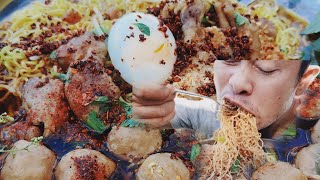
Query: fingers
[154,96]
[159,121]
[153,111]
[154,106]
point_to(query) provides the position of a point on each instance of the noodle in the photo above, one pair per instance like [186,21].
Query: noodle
[237,139]
[38,18]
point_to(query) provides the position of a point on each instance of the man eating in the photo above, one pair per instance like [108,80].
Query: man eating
[269,90]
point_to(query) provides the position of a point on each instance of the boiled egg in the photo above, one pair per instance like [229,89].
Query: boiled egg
[142,49]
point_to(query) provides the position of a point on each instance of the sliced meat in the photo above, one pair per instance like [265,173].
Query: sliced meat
[19,131]
[44,102]
[191,19]
[229,13]
[223,21]
[80,48]
[89,80]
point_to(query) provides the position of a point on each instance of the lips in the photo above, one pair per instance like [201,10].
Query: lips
[237,103]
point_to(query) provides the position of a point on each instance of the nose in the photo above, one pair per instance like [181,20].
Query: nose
[241,83]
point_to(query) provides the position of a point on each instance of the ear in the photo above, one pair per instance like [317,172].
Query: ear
[308,77]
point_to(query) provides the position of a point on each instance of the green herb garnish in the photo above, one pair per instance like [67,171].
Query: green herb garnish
[5,118]
[53,55]
[101,100]
[131,123]
[291,131]
[94,123]
[65,78]
[195,151]
[235,166]
[240,20]
[143,28]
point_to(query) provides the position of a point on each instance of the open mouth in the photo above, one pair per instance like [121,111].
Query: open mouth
[233,106]
[229,105]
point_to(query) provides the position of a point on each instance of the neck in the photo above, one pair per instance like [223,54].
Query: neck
[278,127]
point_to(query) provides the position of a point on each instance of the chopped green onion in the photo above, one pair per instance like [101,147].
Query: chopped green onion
[195,151]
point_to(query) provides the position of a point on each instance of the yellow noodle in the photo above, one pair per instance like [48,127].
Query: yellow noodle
[236,139]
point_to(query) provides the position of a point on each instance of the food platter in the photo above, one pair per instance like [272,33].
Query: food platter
[95,83]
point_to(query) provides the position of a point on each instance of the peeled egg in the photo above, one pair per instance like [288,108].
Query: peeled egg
[142,49]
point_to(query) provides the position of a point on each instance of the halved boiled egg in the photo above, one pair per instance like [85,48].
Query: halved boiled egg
[142,49]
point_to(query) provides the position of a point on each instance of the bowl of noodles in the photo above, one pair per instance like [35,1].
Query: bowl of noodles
[61,96]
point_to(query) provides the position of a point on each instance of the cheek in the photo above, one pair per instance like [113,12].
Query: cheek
[220,79]
[274,106]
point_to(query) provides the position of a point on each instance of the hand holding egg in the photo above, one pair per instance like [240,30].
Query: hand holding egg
[142,49]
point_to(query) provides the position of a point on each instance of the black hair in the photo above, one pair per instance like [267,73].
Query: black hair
[303,67]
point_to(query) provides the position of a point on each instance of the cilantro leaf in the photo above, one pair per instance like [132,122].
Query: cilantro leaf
[64,77]
[240,20]
[101,100]
[131,123]
[291,131]
[235,166]
[53,55]
[94,123]
[143,28]
[195,151]
[314,26]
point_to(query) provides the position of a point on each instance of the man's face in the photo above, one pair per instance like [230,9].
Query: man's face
[264,88]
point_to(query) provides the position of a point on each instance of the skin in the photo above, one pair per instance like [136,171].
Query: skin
[270,90]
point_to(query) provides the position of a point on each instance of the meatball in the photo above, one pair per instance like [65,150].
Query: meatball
[163,166]
[278,170]
[84,164]
[88,81]
[134,143]
[308,161]
[45,103]
[36,163]
[80,48]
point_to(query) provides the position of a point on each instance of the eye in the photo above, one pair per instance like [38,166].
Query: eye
[267,72]
[231,62]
